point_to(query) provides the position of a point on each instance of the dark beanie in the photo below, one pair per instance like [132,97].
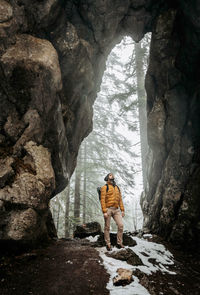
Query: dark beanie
[106,178]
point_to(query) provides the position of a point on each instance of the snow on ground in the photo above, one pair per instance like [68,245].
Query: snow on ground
[111,266]
[155,251]
[92,239]
[158,252]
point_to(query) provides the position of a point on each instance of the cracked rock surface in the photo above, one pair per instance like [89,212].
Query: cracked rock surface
[52,58]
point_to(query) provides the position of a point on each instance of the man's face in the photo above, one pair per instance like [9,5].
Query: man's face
[110,176]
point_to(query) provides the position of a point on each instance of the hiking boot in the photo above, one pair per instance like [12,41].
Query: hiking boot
[108,247]
[120,246]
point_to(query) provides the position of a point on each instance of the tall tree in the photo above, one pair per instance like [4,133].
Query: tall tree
[77,194]
[84,181]
[67,201]
[58,214]
[139,65]
[129,91]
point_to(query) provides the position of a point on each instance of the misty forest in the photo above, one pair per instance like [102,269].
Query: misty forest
[114,145]
[99,147]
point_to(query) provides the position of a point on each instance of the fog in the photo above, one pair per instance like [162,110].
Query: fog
[113,146]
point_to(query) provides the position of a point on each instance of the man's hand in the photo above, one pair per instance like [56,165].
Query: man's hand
[105,215]
[123,214]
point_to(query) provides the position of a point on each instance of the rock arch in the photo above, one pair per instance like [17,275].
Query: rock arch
[52,56]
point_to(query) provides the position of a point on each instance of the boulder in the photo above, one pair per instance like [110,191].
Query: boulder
[86,230]
[25,197]
[6,11]
[123,278]
[126,255]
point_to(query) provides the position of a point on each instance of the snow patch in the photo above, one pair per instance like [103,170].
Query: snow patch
[111,266]
[161,258]
[148,250]
[92,239]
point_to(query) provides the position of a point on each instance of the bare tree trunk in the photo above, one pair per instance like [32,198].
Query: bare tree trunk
[139,58]
[77,189]
[58,215]
[54,210]
[67,211]
[84,183]
[135,217]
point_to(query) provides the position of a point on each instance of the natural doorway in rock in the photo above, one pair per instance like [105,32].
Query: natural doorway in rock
[118,144]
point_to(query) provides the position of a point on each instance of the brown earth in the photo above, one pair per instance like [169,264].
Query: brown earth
[74,267]
[64,267]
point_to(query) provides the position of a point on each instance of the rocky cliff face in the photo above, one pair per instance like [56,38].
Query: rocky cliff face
[171,204]
[52,57]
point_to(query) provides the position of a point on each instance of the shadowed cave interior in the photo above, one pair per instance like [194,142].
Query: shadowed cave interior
[52,56]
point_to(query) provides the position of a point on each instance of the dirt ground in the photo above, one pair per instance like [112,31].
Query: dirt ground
[64,267]
[74,267]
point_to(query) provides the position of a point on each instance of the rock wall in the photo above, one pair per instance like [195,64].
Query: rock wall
[52,58]
[171,204]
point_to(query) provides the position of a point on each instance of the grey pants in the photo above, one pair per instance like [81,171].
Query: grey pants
[116,215]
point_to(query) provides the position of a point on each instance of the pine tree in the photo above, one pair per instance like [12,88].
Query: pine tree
[77,195]
[130,93]
[84,181]
[67,202]
[141,97]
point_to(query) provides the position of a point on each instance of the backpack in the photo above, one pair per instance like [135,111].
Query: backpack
[107,188]
[99,191]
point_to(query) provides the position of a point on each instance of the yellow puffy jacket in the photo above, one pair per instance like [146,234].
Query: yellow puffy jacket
[111,198]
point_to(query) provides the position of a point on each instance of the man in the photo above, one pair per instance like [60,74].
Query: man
[111,201]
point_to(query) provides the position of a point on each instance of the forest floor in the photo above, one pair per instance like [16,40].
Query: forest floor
[75,267]
[64,267]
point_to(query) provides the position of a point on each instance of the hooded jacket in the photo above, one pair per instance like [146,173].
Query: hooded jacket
[111,198]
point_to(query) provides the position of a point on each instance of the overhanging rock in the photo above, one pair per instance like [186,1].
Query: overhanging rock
[52,56]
